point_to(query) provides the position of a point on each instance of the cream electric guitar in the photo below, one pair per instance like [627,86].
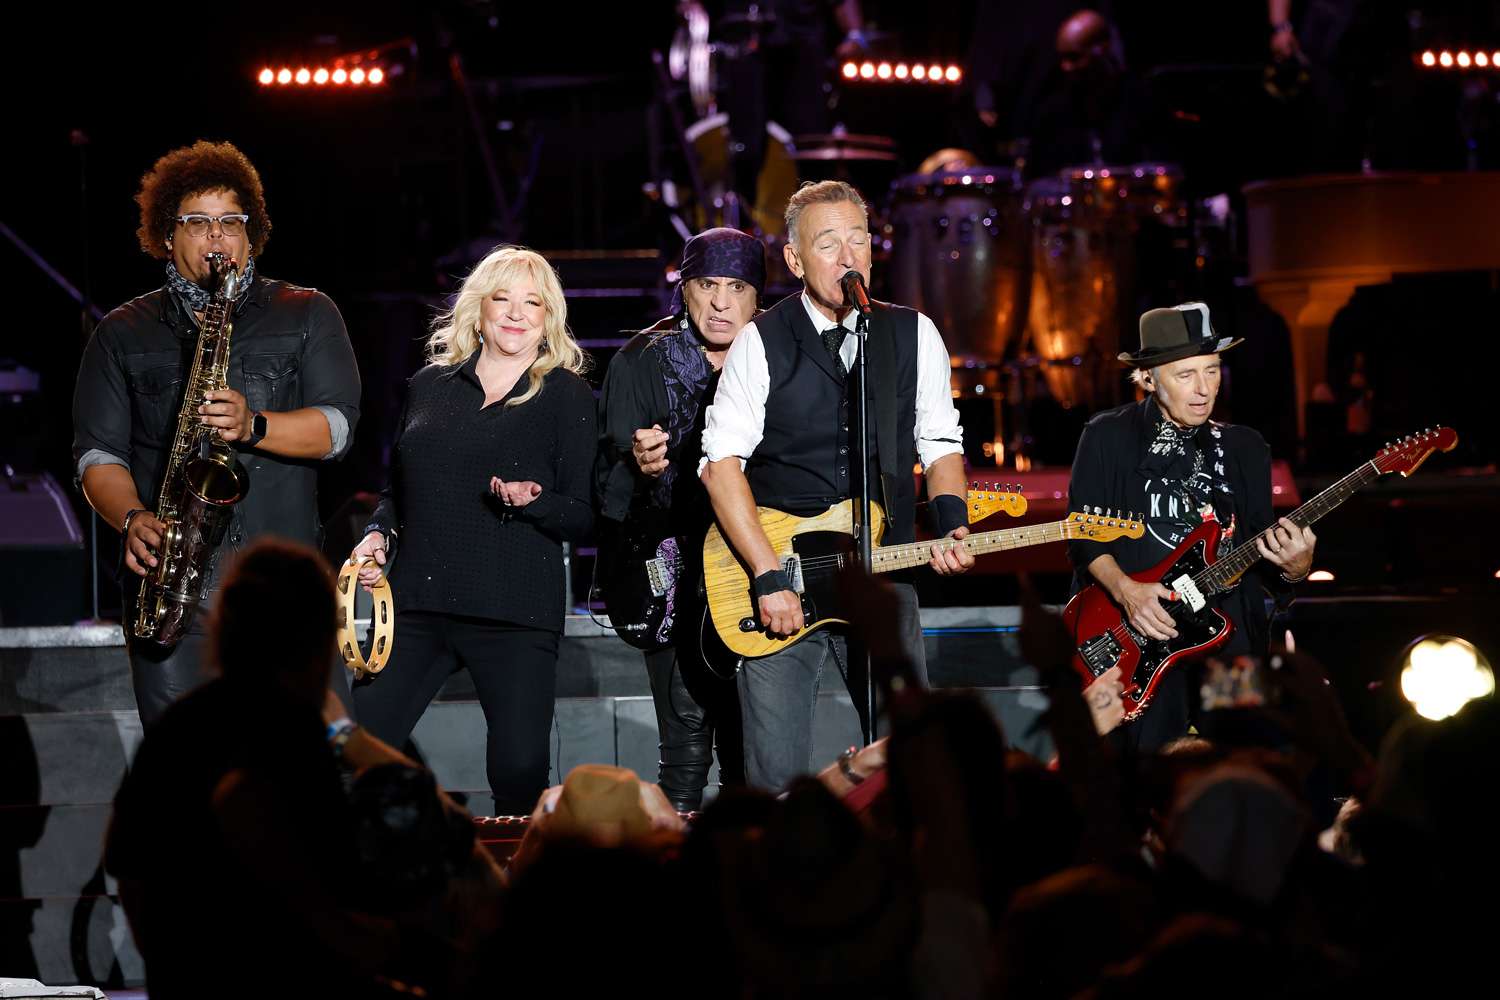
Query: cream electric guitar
[813,550]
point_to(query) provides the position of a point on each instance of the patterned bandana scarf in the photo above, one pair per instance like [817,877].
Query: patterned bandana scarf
[195,297]
[1187,465]
[686,371]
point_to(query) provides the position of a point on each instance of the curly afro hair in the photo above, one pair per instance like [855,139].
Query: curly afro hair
[182,173]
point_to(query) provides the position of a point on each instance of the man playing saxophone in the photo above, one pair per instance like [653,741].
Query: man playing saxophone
[291,400]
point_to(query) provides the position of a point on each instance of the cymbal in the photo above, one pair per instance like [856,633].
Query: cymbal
[836,153]
[845,139]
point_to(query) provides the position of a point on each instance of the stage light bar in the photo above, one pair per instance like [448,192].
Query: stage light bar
[337,74]
[1466,60]
[901,72]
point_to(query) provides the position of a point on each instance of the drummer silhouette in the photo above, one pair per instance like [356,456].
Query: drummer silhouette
[1091,109]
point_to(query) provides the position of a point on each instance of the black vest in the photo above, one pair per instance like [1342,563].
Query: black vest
[806,460]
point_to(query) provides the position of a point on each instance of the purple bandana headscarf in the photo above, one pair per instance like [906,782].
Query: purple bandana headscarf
[721,253]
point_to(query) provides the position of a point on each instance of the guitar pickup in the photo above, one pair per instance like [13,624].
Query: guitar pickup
[792,567]
[658,576]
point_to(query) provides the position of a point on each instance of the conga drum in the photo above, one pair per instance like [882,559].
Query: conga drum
[960,252]
[1087,225]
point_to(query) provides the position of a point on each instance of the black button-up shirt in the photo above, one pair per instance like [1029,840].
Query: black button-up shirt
[288,350]
[459,550]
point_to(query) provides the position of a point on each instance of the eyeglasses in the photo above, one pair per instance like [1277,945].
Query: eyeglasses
[197,225]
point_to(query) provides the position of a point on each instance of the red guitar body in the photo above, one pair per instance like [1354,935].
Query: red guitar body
[1105,638]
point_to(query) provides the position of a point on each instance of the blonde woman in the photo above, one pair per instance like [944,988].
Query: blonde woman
[489,476]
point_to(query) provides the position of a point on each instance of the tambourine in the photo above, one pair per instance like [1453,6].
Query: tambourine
[383,616]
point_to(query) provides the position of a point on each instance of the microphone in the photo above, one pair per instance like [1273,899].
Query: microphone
[855,293]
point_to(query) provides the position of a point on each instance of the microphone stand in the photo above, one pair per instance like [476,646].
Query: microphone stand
[862,512]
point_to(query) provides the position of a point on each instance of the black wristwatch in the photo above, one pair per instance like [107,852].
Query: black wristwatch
[257,429]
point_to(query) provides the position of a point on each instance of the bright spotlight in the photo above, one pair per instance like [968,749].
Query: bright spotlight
[1442,673]
[1320,576]
[320,76]
[339,76]
[356,76]
[953,73]
[902,71]
[267,77]
[1463,60]
[304,76]
[284,77]
[919,72]
[1429,58]
[884,71]
[377,76]
[867,70]
[1445,60]
[851,70]
[935,73]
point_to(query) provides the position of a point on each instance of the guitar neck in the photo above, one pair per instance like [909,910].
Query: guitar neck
[1227,571]
[889,558]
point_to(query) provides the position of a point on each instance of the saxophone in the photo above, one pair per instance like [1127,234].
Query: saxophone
[204,480]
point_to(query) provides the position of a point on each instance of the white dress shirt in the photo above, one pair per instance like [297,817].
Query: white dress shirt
[735,421]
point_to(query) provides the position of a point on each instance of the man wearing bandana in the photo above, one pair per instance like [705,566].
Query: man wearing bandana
[1166,458]
[651,424]
[292,401]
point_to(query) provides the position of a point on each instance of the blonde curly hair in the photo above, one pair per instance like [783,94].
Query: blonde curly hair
[455,332]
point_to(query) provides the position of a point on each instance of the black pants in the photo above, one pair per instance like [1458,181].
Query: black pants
[161,675]
[514,669]
[694,711]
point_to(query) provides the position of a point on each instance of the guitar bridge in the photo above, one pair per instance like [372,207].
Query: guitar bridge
[792,567]
[1100,654]
[658,576]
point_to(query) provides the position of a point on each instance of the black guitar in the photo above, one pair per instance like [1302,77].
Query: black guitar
[639,568]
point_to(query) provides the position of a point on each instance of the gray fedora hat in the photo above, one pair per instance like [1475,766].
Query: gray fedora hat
[1175,333]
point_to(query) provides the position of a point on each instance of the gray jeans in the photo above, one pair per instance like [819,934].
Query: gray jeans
[779,695]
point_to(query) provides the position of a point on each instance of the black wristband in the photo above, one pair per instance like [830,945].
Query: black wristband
[846,767]
[947,512]
[125,524]
[771,582]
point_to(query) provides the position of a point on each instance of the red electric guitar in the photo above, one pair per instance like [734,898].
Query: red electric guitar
[1195,574]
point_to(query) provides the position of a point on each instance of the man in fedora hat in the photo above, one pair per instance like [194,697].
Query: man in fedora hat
[1166,458]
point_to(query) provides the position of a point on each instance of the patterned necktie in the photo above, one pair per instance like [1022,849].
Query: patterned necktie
[833,339]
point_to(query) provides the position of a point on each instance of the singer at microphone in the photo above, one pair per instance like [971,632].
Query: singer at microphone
[783,433]
[856,295]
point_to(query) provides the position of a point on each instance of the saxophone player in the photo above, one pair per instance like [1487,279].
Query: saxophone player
[291,402]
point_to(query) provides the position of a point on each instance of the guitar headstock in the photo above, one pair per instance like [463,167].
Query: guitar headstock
[1404,455]
[1099,525]
[985,499]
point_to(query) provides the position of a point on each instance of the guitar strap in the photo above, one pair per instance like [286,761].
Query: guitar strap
[881,361]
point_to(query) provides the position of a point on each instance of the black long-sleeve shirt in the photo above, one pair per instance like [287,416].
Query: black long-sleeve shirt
[1107,472]
[459,550]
